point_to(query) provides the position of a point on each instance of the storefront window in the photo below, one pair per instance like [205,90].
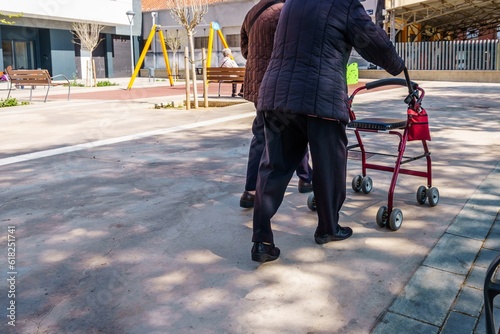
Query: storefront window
[18,54]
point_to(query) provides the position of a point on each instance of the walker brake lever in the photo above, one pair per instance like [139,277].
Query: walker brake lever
[411,96]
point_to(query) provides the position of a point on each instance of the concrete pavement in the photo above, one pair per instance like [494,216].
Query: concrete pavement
[126,220]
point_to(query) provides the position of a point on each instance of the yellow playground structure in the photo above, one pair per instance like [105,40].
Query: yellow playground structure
[214,26]
[155,29]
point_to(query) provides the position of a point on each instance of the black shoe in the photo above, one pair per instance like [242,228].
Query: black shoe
[246,200]
[234,95]
[240,94]
[263,253]
[305,187]
[342,234]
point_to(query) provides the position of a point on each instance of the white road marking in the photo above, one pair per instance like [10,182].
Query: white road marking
[111,141]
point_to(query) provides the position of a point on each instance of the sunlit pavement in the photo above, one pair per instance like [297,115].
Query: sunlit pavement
[126,219]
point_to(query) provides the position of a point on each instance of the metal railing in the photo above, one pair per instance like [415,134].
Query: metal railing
[451,55]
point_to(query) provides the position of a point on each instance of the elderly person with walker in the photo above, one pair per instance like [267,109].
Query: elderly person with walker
[303,96]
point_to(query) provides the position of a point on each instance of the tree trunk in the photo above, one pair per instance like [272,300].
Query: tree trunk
[176,65]
[90,73]
[193,67]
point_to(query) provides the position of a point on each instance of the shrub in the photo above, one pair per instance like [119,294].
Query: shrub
[106,83]
[11,102]
[76,84]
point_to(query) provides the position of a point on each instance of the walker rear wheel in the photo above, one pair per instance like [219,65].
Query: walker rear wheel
[367,184]
[433,195]
[382,216]
[311,202]
[421,194]
[356,183]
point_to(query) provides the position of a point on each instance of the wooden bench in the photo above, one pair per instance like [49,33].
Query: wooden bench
[34,78]
[232,75]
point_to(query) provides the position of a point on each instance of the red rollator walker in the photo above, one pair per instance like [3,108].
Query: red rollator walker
[414,128]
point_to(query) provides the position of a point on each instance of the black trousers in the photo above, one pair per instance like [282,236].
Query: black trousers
[287,136]
[303,170]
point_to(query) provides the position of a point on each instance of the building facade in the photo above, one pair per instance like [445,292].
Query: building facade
[42,36]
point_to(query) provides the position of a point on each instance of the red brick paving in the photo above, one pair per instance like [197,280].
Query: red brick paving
[143,92]
[157,91]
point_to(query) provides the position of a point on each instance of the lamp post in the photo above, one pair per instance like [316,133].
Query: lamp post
[154,15]
[130,16]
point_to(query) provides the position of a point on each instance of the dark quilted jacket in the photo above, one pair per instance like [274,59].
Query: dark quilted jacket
[257,45]
[313,41]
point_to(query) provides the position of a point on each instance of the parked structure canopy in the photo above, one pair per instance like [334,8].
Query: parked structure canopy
[449,17]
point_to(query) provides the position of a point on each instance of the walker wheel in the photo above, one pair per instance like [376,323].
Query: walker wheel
[382,214]
[311,202]
[396,219]
[367,184]
[421,194]
[433,195]
[356,183]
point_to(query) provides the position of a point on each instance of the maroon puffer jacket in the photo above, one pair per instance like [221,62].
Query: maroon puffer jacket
[257,45]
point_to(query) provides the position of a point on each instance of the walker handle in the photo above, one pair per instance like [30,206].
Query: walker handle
[412,93]
[390,82]
[412,86]
[408,81]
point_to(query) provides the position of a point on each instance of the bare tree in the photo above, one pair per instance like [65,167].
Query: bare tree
[174,42]
[189,13]
[87,36]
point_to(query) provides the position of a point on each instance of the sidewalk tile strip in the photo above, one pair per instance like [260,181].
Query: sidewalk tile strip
[395,323]
[485,257]
[454,254]
[486,197]
[481,324]
[467,248]
[486,200]
[472,222]
[459,324]
[429,295]
[476,278]
[470,301]
[493,240]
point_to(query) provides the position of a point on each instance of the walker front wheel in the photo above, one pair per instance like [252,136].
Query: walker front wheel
[396,219]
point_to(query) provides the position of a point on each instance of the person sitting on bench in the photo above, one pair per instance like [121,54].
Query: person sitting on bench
[227,61]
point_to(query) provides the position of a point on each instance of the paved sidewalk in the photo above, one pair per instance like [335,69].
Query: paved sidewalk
[127,221]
